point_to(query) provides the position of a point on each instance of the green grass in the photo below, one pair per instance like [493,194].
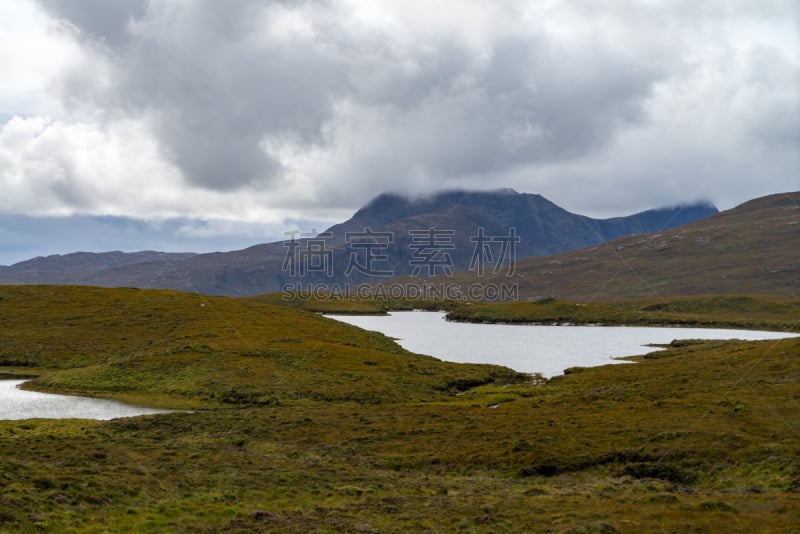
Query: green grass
[704,436]
[755,312]
[350,305]
[707,311]
[185,350]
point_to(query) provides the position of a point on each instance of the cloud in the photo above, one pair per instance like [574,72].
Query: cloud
[50,167]
[251,109]
[213,78]
[221,82]
[107,22]
[30,57]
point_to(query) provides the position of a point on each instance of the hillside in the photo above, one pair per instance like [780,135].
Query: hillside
[541,227]
[721,311]
[191,350]
[750,249]
[301,424]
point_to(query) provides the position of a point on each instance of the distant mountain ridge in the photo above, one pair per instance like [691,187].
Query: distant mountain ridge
[543,227]
[80,261]
[450,222]
[753,248]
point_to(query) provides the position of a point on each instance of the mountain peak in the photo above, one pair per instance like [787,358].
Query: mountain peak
[437,196]
[541,227]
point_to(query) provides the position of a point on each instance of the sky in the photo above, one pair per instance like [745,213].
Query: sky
[205,125]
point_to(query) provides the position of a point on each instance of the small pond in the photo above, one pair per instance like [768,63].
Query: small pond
[531,348]
[17,403]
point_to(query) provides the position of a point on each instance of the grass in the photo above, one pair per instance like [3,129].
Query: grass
[714,311]
[703,436]
[185,350]
[761,312]
[350,305]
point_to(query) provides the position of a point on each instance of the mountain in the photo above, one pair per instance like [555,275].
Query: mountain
[390,236]
[91,261]
[544,227]
[753,248]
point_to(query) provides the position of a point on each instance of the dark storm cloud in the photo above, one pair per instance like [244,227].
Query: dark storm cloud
[211,90]
[249,96]
[216,81]
[529,102]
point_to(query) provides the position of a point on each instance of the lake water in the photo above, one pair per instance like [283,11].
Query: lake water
[544,349]
[16,404]
[528,348]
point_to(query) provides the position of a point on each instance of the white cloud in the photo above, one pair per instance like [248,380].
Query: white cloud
[32,55]
[241,110]
[52,167]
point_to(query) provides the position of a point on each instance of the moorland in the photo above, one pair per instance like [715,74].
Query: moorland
[287,421]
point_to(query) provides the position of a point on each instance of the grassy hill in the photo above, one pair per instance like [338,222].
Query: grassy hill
[189,350]
[750,249]
[707,311]
[714,311]
[302,424]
